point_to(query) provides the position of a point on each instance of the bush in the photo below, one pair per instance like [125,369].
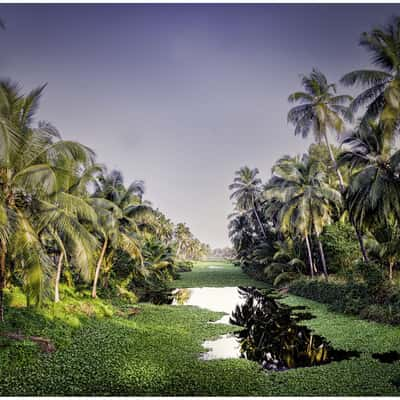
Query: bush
[184,266]
[341,247]
[371,273]
[381,304]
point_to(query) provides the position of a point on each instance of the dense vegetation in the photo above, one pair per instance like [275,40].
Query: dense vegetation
[333,210]
[78,246]
[65,218]
[103,348]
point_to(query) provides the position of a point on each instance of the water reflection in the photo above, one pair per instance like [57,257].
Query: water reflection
[389,357]
[272,336]
[216,299]
[270,331]
[226,346]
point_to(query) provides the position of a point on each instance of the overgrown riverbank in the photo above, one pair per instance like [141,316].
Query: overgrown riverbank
[102,350]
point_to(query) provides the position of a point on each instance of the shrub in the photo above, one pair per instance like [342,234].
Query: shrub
[371,273]
[381,304]
[184,266]
[341,247]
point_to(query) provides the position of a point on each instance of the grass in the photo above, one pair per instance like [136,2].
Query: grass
[226,275]
[156,352]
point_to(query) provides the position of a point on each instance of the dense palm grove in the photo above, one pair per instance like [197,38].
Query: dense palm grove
[65,219]
[333,212]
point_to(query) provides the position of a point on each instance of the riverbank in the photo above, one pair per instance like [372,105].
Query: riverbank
[104,349]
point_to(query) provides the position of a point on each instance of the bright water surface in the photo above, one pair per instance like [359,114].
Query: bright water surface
[222,299]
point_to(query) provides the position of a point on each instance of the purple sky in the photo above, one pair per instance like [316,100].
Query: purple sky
[181,96]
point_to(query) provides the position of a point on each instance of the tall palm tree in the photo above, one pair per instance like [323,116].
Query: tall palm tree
[320,110]
[29,166]
[306,200]
[118,209]
[381,94]
[182,237]
[246,192]
[75,216]
[241,231]
[373,195]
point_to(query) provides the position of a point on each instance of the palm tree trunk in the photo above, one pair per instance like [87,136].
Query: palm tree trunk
[309,256]
[98,266]
[58,277]
[391,270]
[2,278]
[360,241]
[258,218]
[179,249]
[341,184]
[322,254]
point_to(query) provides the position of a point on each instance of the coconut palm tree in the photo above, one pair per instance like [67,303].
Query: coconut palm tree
[29,167]
[118,209]
[75,213]
[373,195]
[182,237]
[320,110]
[381,94]
[306,200]
[246,192]
[241,231]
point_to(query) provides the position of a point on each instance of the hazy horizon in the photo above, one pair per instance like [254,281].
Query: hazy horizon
[181,96]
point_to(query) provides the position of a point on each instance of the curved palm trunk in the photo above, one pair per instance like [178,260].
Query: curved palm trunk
[2,278]
[98,266]
[341,184]
[58,277]
[322,254]
[310,260]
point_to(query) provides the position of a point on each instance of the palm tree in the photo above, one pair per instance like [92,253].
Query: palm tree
[74,215]
[306,200]
[118,209]
[320,110]
[182,237]
[29,166]
[373,195]
[164,227]
[246,192]
[240,230]
[381,94]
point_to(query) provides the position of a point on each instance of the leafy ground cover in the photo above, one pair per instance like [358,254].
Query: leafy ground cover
[224,274]
[100,350]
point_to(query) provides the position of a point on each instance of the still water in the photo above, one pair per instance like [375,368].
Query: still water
[267,330]
[223,299]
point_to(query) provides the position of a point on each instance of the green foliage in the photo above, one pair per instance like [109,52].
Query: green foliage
[215,274]
[371,273]
[184,266]
[155,353]
[341,247]
[367,300]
